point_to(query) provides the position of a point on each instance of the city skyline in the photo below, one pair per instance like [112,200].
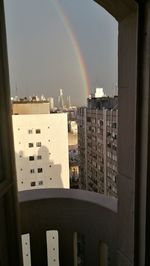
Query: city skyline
[59,46]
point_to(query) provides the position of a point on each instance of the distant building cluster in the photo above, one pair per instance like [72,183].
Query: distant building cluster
[97,144]
[60,106]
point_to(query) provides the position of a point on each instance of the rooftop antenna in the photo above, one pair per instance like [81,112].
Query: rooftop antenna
[96,82]
[16,90]
[115,88]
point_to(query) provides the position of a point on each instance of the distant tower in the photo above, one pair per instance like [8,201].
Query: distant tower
[61,99]
[43,98]
[51,103]
[68,102]
[116,89]
[61,92]
[16,87]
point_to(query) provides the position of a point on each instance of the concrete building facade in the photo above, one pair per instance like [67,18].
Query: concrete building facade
[97,143]
[41,151]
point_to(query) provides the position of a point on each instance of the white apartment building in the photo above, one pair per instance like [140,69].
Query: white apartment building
[41,151]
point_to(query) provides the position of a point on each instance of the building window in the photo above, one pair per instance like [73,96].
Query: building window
[31,158]
[38,144]
[40,170]
[30,131]
[30,145]
[32,171]
[38,131]
[88,119]
[33,184]
[40,183]
[114,125]
[39,157]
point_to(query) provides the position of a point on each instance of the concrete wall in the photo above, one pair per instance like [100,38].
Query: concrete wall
[51,144]
[68,211]
[31,108]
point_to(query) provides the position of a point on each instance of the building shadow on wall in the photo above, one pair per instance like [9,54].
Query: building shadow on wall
[37,170]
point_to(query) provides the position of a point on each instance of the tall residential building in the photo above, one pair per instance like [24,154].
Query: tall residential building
[97,143]
[41,149]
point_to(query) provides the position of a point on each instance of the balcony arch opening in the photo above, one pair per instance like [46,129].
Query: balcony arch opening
[76,51]
[127,162]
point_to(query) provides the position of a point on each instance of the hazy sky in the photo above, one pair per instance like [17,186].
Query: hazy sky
[42,53]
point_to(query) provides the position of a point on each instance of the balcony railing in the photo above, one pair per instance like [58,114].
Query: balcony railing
[70,212]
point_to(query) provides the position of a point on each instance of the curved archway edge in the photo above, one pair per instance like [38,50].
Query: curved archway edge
[119,9]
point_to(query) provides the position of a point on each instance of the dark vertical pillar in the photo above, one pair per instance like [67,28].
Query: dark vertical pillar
[3,236]
[8,191]
[142,189]
[127,65]
[66,247]
[38,246]
[92,251]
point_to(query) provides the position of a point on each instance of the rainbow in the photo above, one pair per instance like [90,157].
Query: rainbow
[76,47]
